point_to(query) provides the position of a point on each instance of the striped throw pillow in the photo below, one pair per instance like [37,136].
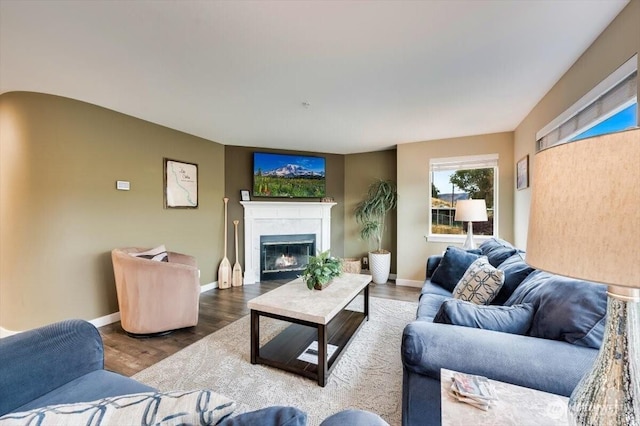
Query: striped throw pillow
[159,254]
[199,407]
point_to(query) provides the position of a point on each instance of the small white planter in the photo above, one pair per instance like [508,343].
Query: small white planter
[380,265]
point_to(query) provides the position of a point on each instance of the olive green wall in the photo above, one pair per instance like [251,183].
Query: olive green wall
[360,171]
[60,212]
[239,175]
[619,42]
[414,195]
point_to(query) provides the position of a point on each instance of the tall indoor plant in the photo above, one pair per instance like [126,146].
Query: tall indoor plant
[382,196]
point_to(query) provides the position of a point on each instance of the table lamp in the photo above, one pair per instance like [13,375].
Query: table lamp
[471,211]
[585,223]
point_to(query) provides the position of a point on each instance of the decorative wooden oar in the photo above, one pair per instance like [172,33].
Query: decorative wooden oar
[237,269]
[224,271]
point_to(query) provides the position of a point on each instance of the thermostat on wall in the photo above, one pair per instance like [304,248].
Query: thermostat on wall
[122,185]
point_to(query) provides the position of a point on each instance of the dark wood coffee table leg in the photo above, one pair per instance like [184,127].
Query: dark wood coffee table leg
[323,364]
[366,302]
[255,336]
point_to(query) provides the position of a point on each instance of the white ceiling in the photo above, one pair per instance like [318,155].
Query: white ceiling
[375,73]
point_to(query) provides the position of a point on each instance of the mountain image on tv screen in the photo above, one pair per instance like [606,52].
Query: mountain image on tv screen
[291,176]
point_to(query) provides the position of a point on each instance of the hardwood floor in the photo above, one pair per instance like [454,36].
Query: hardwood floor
[218,308]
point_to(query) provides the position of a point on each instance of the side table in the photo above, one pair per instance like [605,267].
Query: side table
[516,405]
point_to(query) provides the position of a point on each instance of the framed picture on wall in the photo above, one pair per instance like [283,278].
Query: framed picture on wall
[522,173]
[180,184]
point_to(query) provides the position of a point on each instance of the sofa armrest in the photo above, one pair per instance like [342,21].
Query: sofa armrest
[38,361]
[432,264]
[547,365]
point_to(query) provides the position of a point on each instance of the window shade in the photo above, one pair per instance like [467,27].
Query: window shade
[457,163]
[616,99]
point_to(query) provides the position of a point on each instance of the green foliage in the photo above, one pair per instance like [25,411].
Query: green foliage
[434,191]
[478,183]
[370,213]
[276,186]
[321,269]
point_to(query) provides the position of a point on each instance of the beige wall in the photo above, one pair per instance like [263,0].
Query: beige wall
[360,171]
[619,42]
[414,193]
[238,176]
[60,213]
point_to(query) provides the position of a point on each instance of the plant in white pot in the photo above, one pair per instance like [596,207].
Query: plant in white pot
[382,196]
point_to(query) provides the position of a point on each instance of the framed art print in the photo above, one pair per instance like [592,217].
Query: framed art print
[522,170]
[180,184]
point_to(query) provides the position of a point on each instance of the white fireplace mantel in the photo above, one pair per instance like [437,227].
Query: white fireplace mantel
[282,218]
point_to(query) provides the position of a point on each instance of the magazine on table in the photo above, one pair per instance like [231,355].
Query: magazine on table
[471,389]
[310,354]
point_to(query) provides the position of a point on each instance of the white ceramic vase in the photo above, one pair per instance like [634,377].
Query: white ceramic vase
[380,265]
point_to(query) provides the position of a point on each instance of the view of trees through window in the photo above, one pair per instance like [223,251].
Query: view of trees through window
[449,186]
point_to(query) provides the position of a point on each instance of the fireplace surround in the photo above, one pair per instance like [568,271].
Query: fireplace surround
[282,218]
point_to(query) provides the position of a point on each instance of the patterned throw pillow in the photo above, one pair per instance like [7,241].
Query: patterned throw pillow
[199,407]
[159,254]
[480,283]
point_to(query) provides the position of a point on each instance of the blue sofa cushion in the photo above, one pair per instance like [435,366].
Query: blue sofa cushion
[515,271]
[354,417]
[567,309]
[515,319]
[84,389]
[452,267]
[497,250]
[26,359]
[270,416]
[480,283]
[429,305]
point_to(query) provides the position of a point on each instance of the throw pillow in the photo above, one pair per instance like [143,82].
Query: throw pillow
[159,254]
[515,271]
[567,309]
[199,407]
[497,250]
[452,267]
[514,319]
[480,283]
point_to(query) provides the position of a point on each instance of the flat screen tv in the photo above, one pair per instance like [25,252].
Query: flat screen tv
[290,176]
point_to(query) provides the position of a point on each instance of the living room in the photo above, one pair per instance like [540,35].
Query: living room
[62,154]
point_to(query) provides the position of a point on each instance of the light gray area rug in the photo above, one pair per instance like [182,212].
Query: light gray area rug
[368,376]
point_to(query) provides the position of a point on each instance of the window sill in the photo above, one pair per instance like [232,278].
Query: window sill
[441,238]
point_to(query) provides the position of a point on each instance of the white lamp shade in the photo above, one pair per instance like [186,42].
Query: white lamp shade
[585,210]
[471,211]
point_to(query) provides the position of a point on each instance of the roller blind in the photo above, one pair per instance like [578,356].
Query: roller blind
[458,163]
[623,94]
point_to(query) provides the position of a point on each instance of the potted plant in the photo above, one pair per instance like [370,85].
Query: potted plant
[382,196]
[320,270]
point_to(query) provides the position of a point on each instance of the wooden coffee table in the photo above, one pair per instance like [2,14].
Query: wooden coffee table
[315,315]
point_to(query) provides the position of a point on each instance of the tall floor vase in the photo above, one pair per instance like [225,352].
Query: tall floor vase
[380,264]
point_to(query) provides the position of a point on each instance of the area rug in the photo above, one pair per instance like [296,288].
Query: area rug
[368,376]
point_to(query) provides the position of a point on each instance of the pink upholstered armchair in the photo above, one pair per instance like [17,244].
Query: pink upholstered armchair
[156,297]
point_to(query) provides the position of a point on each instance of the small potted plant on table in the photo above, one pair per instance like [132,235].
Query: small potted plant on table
[320,270]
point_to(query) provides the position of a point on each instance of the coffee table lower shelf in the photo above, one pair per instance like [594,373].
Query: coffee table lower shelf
[283,350]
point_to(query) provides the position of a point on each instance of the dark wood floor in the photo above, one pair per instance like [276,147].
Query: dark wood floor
[218,308]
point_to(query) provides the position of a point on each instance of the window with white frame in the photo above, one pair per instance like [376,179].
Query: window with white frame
[462,178]
[609,107]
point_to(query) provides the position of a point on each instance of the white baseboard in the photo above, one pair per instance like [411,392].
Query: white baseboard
[106,320]
[209,286]
[409,283]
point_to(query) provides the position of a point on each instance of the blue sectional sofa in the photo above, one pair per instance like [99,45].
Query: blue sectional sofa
[63,363]
[541,331]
